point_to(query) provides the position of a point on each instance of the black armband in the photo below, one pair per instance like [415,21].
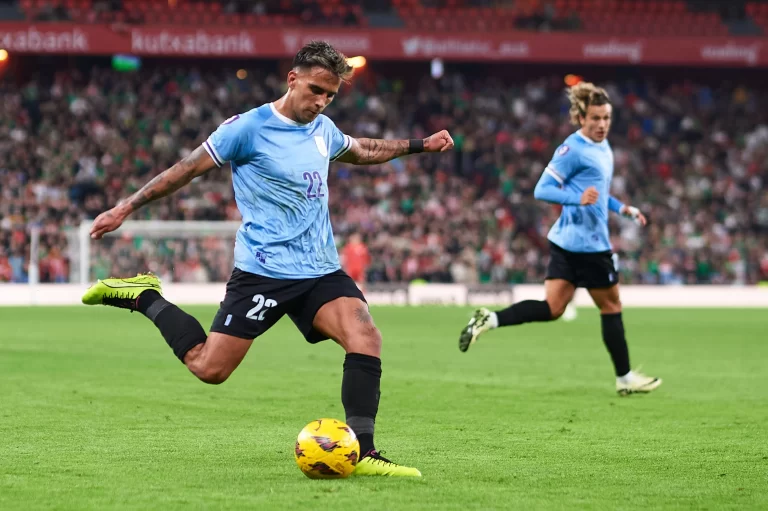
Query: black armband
[415,145]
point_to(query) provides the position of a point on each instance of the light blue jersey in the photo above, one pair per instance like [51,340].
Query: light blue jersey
[280,176]
[578,164]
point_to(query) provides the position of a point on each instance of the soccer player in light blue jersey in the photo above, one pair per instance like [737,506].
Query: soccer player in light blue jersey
[285,256]
[579,178]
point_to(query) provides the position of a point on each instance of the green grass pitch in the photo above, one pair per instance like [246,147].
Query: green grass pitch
[97,413]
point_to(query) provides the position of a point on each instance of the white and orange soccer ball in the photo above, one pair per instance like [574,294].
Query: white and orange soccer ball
[327,449]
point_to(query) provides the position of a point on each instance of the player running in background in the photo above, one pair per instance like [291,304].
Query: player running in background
[285,256]
[355,259]
[579,177]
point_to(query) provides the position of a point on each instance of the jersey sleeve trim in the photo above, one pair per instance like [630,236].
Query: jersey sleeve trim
[211,150]
[344,148]
[552,172]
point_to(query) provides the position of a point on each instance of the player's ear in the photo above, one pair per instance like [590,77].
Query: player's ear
[292,77]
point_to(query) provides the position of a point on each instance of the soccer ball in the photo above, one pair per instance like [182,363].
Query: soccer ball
[327,449]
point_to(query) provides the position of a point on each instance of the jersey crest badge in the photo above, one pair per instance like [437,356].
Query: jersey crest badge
[563,149]
[320,143]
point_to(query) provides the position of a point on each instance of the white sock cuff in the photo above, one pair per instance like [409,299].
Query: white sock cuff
[626,378]
[493,320]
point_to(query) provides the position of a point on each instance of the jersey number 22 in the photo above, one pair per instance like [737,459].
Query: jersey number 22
[257,313]
[314,178]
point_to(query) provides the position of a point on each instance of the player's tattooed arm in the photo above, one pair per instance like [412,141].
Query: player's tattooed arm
[370,151]
[198,162]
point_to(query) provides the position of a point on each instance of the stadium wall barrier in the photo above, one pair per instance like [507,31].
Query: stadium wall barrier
[426,294]
[213,41]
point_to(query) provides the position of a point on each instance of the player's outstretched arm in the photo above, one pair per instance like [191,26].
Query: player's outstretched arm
[370,151]
[197,163]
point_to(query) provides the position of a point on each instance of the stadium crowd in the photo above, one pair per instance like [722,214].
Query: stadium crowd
[693,157]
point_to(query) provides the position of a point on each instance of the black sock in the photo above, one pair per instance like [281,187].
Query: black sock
[613,337]
[527,311]
[181,331]
[360,396]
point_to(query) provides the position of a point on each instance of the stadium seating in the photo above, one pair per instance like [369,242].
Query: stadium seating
[326,12]
[70,149]
[610,17]
[759,13]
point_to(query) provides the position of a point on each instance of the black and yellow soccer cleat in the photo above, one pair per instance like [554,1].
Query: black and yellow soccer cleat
[121,293]
[374,464]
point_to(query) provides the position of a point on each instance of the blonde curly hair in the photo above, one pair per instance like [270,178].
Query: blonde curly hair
[582,96]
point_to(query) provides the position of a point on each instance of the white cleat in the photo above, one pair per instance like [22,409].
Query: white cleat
[636,383]
[482,321]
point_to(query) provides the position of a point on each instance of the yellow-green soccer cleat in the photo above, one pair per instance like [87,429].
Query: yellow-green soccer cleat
[638,383]
[374,464]
[481,322]
[122,293]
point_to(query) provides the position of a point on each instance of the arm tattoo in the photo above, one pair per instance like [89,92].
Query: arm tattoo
[363,316]
[172,179]
[368,151]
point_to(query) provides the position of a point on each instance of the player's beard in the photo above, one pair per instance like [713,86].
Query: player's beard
[311,115]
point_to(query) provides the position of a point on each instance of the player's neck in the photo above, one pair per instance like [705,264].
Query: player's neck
[281,106]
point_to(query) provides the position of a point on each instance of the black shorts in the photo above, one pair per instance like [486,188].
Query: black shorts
[253,303]
[591,270]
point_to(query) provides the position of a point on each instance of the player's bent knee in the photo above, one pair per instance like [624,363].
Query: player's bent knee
[217,358]
[366,341]
[212,375]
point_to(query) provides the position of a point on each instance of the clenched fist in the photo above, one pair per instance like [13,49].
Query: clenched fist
[438,143]
[590,196]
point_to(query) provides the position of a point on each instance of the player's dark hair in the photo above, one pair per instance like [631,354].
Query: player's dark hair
[584,95]
[322,54]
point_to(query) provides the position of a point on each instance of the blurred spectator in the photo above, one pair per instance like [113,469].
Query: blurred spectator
[49,12]
[291,12]
[355,259]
